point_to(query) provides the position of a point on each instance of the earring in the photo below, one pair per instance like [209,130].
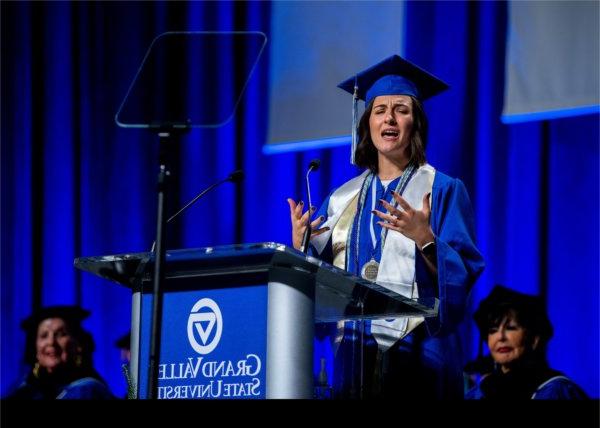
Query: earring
[78,360]
[36,369]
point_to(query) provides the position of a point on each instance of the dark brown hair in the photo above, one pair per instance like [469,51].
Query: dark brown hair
[366,153]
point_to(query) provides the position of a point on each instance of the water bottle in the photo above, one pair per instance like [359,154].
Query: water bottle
[323,390]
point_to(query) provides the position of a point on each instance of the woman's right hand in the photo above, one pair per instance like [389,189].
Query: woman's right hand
[299,220]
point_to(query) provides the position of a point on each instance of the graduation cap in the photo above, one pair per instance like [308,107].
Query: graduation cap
[72,315]
[529,309]
[392,76]
[124,342]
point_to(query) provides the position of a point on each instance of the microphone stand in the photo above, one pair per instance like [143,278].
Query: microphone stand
[165,134]
[204,192]
[314,165]
[234,177]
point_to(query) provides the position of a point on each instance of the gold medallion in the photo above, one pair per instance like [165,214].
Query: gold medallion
[370,270]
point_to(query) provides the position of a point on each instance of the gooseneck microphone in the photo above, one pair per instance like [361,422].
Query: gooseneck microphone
[234,177]
[313,166]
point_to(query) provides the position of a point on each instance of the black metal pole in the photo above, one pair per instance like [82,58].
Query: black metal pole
[159,262]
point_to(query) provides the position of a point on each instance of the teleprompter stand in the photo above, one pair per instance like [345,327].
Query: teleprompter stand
[169,95]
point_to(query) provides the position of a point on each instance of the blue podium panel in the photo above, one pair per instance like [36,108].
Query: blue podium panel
[213,344]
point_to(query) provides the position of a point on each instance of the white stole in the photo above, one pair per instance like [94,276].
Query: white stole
[397,267]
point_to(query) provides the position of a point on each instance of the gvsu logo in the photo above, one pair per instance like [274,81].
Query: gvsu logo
[205,317]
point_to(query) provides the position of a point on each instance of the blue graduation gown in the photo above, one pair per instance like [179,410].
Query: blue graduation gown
[459,263]
[557,388]
[87,387]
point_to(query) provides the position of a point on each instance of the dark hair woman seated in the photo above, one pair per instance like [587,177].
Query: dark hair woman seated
[59,352]
[517,330]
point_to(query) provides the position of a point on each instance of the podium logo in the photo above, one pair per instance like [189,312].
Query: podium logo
[201,324]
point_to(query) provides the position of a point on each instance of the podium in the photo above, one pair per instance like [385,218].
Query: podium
[239,320]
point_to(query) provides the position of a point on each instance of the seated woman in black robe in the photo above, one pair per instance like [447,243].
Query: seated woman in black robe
[517,330]
[59,352]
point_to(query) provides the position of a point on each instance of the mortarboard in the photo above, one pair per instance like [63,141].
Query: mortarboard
[124,341]
[392,76]
[73,315]
[530,308]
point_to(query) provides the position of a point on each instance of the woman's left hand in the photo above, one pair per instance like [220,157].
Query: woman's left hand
[413,224]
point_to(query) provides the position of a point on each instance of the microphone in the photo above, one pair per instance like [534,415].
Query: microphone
[235,177]
[313,166]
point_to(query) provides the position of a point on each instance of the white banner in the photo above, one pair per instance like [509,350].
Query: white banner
[552,62]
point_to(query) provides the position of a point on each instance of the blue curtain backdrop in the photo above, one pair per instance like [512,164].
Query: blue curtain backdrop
[534,186]
[74,184]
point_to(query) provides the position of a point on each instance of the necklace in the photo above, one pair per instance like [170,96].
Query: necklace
[370,270]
